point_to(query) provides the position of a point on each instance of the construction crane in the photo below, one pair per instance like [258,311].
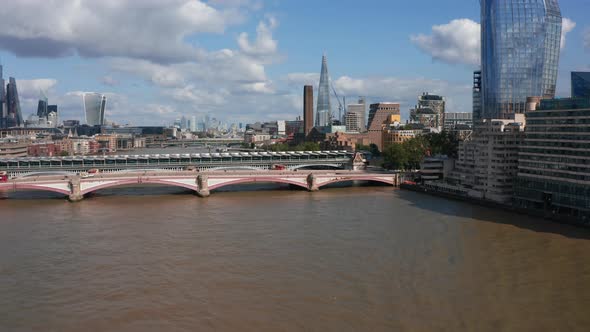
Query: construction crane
[341,105]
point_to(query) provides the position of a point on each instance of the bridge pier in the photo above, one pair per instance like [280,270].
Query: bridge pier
[75,191]
[312,184]
[203,185]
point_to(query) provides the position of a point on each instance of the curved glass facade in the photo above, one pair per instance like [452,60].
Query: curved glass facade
[323,115]
[520,53]
[94,105]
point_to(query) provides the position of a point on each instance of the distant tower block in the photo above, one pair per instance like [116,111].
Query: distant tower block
[307,108]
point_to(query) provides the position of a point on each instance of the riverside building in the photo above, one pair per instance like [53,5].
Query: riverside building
[554,160]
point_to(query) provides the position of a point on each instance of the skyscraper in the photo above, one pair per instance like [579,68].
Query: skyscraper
[42,107]
[356,115]
[580,84]
[519,55]
[307,109]
[3,110]
[94,107]
[14,114]
[323,110]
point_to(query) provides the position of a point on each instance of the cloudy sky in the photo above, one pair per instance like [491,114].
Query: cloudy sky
[247,60]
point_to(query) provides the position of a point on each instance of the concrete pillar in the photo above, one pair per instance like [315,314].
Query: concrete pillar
[203,185]
[312,183]
[75,191]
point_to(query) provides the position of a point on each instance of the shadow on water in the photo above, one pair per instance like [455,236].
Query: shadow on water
[479,213]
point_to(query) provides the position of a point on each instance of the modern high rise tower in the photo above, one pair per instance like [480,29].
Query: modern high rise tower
[94,106]
[323,110]
[14,114]
[520,43]
[3,109]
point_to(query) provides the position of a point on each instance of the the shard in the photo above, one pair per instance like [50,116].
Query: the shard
[323,110]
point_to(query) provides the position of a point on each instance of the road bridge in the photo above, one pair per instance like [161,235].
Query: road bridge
[76,187]
[177,162]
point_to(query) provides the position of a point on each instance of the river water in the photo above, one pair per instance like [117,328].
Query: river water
[341,259]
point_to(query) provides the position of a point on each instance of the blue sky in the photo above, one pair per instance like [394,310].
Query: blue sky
[247,60]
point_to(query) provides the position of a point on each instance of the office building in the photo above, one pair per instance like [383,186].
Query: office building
[520,43]
[323,109]
[42,110]
[307,108]
[380,113]
[580,84]
[193,123]
[429,111]
[453,121]
[488,161]
[3,109]
[355,116]
[94,108]
[14,116]
[554,168]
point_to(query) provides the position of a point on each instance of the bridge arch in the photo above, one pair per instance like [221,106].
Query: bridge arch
[368,178]
[34,187]
[257,180]
[127,182]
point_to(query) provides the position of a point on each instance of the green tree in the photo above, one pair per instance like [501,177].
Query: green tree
[443,143]
[374,150]
[395,156]
[416,148]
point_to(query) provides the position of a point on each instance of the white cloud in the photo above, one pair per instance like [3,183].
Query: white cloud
[264,45]
[301,79]
[567,26]
[149,29]
[34,88]
[457,42]
[109,80]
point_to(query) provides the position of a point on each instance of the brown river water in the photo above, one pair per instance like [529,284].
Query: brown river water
[341,259]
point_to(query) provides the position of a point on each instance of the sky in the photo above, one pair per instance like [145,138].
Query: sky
[247,60]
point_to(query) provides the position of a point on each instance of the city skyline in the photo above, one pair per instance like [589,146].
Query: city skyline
[253,68]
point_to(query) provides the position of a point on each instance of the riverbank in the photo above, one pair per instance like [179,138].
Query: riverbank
[563,219]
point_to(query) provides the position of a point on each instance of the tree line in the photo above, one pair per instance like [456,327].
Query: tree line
[409,154]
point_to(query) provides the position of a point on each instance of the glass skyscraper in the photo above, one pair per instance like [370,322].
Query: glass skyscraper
[580,84]
[94,105]
[324,111]
[519,55]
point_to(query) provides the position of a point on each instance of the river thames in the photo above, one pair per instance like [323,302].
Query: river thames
[341,259]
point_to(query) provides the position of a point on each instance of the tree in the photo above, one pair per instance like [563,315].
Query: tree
[443,143]
[374,150]
[395,156]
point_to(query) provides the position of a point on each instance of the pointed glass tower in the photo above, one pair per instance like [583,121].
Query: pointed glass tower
[323,110]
